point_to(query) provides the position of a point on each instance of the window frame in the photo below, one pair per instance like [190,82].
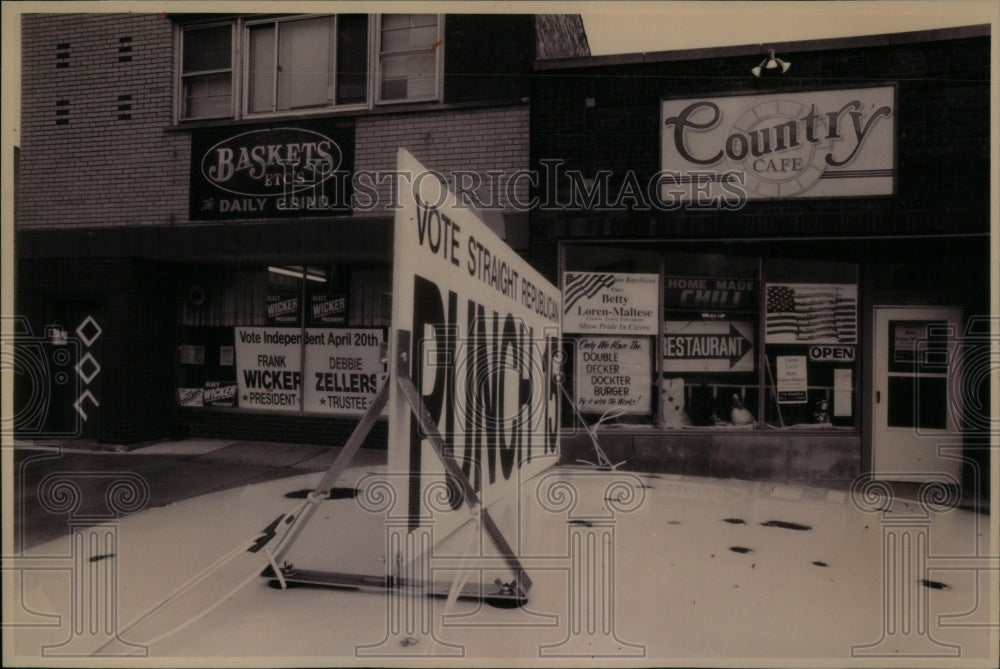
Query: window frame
[181,75]
[772,267]
[245,30]
[438,66]
[239,70]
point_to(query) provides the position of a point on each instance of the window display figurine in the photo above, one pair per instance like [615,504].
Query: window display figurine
[739,414]
[822,412]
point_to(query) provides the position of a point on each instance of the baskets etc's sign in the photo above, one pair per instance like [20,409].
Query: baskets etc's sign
[823,143]
[268,172]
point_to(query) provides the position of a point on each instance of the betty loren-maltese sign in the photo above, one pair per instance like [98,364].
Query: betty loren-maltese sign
[483,330]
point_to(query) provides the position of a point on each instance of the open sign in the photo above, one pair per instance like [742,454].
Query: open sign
[831,353]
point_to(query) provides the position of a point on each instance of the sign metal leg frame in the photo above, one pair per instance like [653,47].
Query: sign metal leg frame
[286,575]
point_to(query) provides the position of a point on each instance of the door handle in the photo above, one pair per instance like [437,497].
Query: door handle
[878,397]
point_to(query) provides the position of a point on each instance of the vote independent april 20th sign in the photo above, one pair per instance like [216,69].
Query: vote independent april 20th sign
[343,369]
[483,328]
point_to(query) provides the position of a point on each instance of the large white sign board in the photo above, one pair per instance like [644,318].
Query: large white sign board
[483,327]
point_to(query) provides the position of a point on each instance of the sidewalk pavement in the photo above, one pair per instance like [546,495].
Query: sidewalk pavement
[184,469]
[310,457]
[169,471]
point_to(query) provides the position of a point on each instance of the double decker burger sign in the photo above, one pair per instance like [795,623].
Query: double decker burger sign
[823,143]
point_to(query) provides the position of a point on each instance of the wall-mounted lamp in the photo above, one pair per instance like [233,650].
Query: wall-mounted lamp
[772,62]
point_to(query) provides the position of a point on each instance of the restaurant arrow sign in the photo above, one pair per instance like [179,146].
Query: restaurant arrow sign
[690,346]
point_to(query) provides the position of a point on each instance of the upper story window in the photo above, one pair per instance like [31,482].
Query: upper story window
[408,57]
[249,67]
[207,71]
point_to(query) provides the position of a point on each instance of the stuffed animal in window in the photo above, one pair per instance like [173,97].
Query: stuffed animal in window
[822,412]
[739,414]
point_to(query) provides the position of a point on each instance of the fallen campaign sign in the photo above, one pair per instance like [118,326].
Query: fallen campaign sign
[483,332]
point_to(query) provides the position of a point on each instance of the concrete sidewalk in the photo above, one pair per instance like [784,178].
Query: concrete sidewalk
[311,457]
[167,472]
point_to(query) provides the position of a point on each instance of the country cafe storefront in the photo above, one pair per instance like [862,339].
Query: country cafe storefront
[760,302]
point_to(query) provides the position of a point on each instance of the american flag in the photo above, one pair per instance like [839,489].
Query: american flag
[811,313]
[579,285]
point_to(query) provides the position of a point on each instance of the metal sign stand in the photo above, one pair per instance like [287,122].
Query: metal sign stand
[603,461]
[285,575]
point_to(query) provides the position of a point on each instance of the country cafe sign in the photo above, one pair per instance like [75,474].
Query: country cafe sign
[822,143]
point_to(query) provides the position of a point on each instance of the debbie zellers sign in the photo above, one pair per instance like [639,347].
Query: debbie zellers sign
[608,303]
[613,374]
[483,330]
[343,369]
[825,143]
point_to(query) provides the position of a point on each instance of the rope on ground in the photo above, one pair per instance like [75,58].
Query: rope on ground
[462,576]
[198,578]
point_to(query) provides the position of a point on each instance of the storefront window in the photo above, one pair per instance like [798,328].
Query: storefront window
[745,340]
[293,338]
[811,343]
[610,298]
[709,340]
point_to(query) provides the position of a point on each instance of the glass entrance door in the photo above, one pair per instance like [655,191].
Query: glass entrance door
[914,409]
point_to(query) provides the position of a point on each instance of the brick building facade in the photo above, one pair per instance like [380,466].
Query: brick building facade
[127,249]
[632,150]
[131,244]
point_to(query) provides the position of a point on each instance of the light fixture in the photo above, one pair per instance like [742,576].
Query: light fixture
[772,62]
[311,273]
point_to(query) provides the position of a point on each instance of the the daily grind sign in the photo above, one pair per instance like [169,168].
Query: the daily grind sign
[483,328]
[268,172]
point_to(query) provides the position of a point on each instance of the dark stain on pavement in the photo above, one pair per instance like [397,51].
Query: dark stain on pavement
[786,525]
[734,521]
[740,549]
[335,493]
[935,585]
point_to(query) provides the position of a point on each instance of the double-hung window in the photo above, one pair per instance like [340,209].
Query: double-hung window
[206,89]
[409,57]
[254,67]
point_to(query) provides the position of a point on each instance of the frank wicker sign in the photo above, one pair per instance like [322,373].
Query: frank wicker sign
[825,143]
